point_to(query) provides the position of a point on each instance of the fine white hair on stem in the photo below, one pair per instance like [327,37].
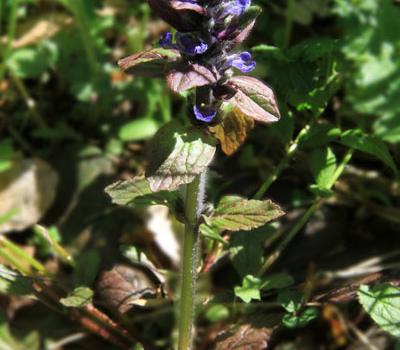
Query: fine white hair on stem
[201,195]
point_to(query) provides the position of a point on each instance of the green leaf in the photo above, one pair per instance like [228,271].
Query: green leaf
[87,265]
[305,74]
[178,154]
[13,283]
[323,167]
[250,289]
[290,300]
[79,297]
[305,317]
[6,152]
[30,62]
[126,191]
[372,145]
[252,286]
[277,281]
[211,232]
[234,213]
[217,313]
[246,250]
[319,135]
[382,303]
[373,74]
[137,193]
[138,129]
[9,340]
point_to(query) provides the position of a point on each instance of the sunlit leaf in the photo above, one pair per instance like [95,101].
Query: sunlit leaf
[177,156]
[250,289]
[301,319]
[79,297]
[188,76]
[372,145]
[254,99]
[232,132]
[323,167]
[382,302]
[235,213]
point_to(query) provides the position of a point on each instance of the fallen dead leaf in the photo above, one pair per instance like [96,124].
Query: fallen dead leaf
[28,188]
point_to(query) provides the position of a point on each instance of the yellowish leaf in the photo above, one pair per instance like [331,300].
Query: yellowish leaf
[232,132]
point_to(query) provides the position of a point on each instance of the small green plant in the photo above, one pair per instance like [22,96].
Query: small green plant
[199,60]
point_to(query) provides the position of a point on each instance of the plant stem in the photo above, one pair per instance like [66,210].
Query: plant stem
[189,262]
[288,238]
[29,101]
[305,217]
[12,23]
[13,261]
[288,24]
[59,250]
[24,256]
[79,11]
[282,164]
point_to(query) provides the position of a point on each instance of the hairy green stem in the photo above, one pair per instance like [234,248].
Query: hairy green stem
[193,204]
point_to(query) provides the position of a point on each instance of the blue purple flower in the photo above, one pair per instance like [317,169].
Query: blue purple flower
[208,45]
[187,43]
[166,41]
[236,7]
[204,115]
[241,61]
[190,44]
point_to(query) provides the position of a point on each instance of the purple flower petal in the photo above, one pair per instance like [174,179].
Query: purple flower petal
[241,61]
[190,44]
[237,7]
[204,116]
[166,41]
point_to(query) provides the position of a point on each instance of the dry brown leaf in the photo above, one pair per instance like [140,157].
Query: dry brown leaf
[28,188]
[254,335]
[122,287]
[232,132]
[39,28]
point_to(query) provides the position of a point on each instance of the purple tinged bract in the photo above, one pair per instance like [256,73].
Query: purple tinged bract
[207,32]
